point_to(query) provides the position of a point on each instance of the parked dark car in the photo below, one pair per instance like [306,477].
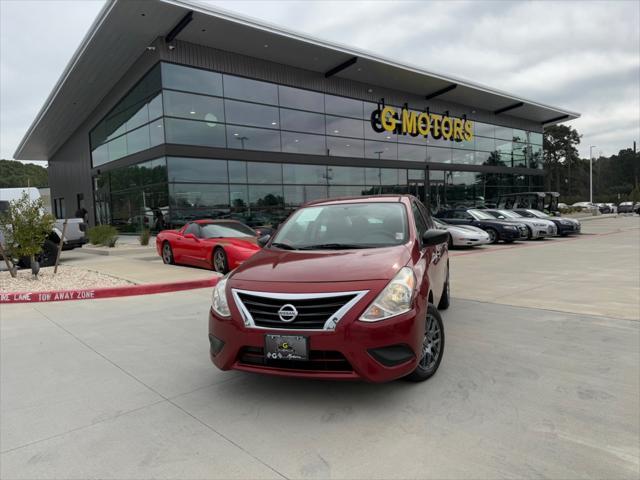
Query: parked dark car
[565,226]
[625,207]
[604,208]
[497,229]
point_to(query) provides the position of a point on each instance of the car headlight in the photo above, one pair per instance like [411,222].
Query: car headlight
[394,299]
[219,298]
[510,227]
[565,222]
[540,224]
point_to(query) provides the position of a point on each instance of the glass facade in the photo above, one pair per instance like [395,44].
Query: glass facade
[180,105]
[168,192]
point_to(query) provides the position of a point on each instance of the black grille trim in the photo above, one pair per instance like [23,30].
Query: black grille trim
[313,313]
[319,361]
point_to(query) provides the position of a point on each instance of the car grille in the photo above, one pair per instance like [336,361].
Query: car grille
[319,361]
[313,313]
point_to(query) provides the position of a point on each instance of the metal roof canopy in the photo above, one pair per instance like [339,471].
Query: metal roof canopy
[123,30]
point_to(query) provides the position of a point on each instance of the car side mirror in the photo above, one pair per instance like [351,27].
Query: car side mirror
[433,237]
[263,240]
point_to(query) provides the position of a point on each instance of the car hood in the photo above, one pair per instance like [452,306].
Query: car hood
[465,229]
[275,265]
[241,242]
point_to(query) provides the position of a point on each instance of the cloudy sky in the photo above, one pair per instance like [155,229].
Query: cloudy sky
[583,56]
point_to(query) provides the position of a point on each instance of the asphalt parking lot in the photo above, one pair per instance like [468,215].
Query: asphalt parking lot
[540,378]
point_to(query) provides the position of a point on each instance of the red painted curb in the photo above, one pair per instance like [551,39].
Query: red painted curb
[92,294]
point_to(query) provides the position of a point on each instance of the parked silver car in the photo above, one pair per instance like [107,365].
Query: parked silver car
[464,235]
[538,227]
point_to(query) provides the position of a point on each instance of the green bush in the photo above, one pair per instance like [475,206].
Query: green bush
[144,236]
[103,235]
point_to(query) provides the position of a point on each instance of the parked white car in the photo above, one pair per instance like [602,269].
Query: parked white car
[464,235]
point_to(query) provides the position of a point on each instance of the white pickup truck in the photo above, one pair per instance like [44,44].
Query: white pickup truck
[74,235]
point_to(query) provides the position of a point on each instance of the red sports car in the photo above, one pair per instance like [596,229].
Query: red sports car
[218,244]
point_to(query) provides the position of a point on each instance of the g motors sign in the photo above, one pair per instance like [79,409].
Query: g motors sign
[407,122]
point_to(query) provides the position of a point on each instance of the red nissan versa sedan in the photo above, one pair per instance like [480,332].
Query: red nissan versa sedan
[345,289]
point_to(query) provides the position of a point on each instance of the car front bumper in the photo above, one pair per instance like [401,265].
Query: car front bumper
[344,354]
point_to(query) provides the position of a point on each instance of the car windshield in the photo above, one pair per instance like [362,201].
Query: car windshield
[509,214]
[344,226]
[538,213]
[225,230]
[480,215]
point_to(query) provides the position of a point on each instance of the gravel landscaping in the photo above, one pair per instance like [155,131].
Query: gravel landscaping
[67,278]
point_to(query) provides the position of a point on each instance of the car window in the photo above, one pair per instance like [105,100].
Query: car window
[421,225]
[226,230]
[480,214]
[345,225]
[462,215]
[194,229]
[426,215]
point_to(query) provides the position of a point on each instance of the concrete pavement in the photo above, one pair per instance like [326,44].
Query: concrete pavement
[123,388]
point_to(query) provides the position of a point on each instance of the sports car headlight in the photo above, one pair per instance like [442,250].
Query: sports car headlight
[219,298]
[394,299]
[510,227]
[540,224]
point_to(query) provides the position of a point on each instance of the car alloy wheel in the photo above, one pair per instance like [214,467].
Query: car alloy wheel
[431,344]
[220,261]
[493,236]
[167,254]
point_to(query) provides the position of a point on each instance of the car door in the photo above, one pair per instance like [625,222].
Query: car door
[191,245]
[438,265]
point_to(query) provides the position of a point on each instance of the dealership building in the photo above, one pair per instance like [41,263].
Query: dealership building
[171,111]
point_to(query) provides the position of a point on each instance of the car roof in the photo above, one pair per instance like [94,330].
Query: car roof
[361,199]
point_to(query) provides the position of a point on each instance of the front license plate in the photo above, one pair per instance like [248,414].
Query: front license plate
[286,347]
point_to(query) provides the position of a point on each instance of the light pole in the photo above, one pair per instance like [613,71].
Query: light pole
[591,147]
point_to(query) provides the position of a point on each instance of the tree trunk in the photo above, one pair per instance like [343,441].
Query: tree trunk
[10,265]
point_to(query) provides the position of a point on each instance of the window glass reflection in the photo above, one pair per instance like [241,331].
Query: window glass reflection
[380,150]
[293,142]
[485,144]
[535,138]
[250,90]
[138,140]
[462,156]
[194,133]
[439,155]
[242,113]
[301,121]
[191,79]
[182,169]
[117,148]
[504,133]
[246,138]
[301,99]
[237,171]
[193,195]
[299,174]
[344,127]
[346,175]
[266,196]
[484,130]
[295,195]
[194,107]
[414,153]
[346,107]
[263,172]
[345,147]
[349,191]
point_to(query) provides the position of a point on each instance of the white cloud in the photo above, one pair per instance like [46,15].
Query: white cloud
[582,56]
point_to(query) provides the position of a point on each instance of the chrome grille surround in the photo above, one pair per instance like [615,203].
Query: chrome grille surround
[330,323]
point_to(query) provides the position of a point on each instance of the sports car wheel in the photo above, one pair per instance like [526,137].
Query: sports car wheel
[493,235]
[167,254]
[220,263]
[432,347]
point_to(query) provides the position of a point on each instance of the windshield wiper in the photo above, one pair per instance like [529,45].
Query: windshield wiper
[332,246]
[283,246]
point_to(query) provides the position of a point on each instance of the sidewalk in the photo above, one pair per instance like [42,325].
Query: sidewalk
[139,268]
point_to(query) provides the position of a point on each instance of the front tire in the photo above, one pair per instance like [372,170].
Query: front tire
[220,261]
[432,347]
[493,235]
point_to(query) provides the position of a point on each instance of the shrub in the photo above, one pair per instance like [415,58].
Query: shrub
[144,236]
[103,235]
[25,227]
